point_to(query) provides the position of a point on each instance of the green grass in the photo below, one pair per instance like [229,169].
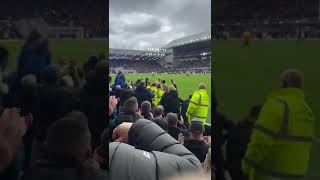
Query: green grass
[77,50]
[244,76]
[186,85]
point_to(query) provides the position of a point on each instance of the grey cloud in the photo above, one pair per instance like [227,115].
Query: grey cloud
[139,24]
[151,26]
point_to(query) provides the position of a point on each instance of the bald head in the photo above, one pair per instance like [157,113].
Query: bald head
[29,80]
[158,111]
[292,78]
[171,88]
[202,86]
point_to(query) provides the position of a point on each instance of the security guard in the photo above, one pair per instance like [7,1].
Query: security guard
[158,94]
[153,88]
[199,105]
[282,137]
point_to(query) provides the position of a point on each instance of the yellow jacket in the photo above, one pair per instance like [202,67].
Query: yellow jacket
[198,106]
[281,140]
[157,96]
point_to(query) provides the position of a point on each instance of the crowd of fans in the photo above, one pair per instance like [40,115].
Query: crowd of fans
[151,66]
[52,115]
[174,141]
[140,66]
[248,9]
[194,65]
[274,19]
[273,142]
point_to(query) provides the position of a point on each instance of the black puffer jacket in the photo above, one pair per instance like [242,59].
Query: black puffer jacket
[143,94]
[126,117]
[152,154]
[171,102]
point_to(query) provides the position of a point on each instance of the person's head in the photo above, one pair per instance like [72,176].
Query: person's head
[34,36]
[119,72]
[4,54]
[161,122]
[131,105]
[159,86]
[158,111]
[165,87]
[29,81]
[292,78]
[196,129]
[141,84]
[254,112]
[69,138]
[172,119]
[90,64]
[154,84]
[163,81]
[202,86]
[145,106]
[171,88]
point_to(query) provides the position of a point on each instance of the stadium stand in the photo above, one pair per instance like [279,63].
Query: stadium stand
[188,54]
[267,20]
[90,15]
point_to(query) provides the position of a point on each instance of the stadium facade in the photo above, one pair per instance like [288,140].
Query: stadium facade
[190,53]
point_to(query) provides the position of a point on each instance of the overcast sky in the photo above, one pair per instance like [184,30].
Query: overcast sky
[139,24]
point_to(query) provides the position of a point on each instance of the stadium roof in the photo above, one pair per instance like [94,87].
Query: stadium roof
[136,54]
[206,36]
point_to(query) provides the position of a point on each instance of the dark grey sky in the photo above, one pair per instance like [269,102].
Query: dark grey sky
[139,24]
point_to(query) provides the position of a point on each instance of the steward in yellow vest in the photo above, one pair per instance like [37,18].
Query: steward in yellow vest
[199,105]
[281,140]
[157,95]
[153,88]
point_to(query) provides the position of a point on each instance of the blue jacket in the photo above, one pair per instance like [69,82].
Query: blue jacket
[32,60]
[120,80]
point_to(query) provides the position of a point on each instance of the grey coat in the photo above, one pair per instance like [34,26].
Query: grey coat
[152,154]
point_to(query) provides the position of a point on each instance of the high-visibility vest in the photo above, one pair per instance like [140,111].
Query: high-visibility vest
[198,106]
[153,89]
[157,97]
[281,139]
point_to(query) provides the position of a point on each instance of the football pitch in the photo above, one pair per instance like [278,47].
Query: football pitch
[76,50]
[186,84]
[244,77]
